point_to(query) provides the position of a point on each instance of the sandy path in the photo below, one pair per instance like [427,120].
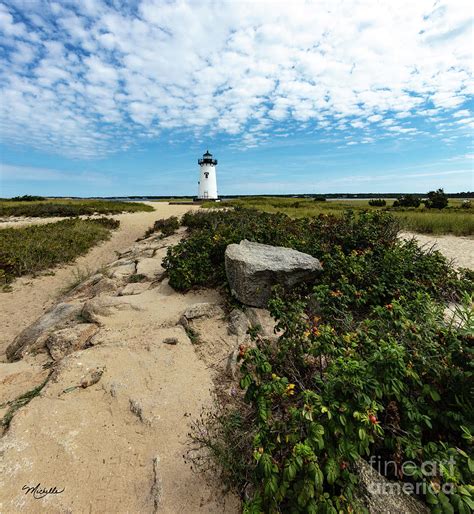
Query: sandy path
[31,296]
[117,446]
[460,249]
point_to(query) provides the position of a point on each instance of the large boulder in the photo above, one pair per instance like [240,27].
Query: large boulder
[253,269]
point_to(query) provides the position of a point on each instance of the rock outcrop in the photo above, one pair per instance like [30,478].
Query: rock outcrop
[67,340]
[33,338]
[381,496]
[253,269]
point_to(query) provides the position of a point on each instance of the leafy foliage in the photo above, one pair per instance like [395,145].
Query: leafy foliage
[167,226]
[436,200]
[377,202]
[407,201]
[366,365]
[27,198]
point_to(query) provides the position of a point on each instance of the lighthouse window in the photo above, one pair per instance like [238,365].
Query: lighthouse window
[206,174]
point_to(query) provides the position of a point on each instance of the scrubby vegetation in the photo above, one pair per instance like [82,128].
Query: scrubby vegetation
[167,226]
[436,200]
[39,247]
[407,201]
[26,198]
[454,219]
[367,365]
[377,202]
[53,208]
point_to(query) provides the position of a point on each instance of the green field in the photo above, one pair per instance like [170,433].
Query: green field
[39,247]
[451,220]
[64,207]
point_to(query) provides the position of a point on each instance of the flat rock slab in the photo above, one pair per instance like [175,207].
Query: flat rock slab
[150,267]
[253,269]
[134,288]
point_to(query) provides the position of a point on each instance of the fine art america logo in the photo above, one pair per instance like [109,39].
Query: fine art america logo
[428,470]
[39,492]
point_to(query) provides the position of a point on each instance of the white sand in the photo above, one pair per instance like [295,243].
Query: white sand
[459,249]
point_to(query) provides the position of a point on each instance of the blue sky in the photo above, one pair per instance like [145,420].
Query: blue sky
[107,97]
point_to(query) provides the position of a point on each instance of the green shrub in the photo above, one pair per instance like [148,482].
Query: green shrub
[377,202]
[392,386]
[27,198]
[466,204]
[436,200]
[167,226]
[366,366]
[365,241]
[407,201]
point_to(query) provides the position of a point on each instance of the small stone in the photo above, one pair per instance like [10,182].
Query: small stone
[202,310]
[102,305]
[380,496]
[92,377]
[171,340]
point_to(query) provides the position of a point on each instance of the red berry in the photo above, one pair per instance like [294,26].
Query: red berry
[372,419]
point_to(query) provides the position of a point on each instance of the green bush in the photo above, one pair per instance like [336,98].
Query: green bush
[167,226]
[27,198]
[436,200]
[366,365]
[377,202]
[407,201]
[391,385]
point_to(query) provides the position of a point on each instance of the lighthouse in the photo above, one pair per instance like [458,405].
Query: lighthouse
[207,185]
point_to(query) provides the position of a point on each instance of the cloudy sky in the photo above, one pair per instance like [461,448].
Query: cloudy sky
[115,97]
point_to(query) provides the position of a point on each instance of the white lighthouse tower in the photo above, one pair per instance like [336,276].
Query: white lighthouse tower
[207,185]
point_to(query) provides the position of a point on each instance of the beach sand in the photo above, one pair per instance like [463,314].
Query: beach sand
[458,249]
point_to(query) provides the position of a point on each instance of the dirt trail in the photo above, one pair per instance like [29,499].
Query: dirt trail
[31,296]
[117,445]
[459,249]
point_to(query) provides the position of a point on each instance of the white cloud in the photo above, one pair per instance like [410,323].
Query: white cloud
[100,78]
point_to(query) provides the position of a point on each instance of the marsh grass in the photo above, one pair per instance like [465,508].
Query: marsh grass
[39,247]
[452,220]
[60,207]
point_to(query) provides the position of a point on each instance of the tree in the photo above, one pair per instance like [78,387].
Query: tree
[436,200]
